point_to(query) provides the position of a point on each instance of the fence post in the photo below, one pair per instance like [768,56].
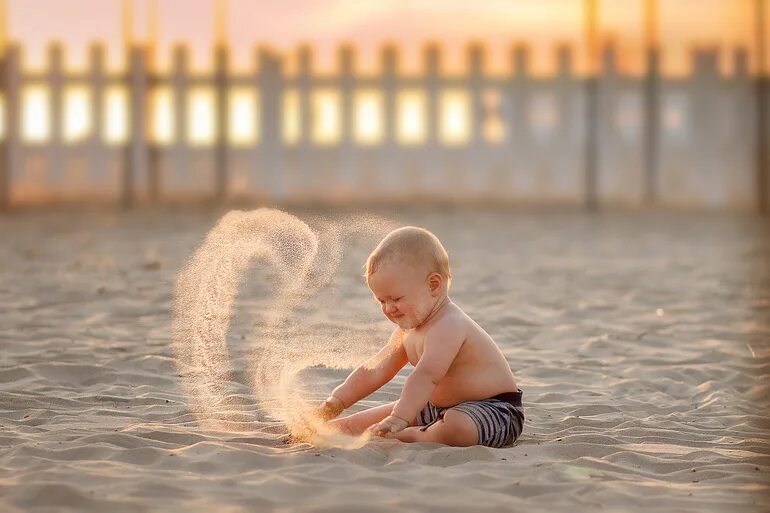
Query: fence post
[651,125]
[269,82]
[346,160]
[477,163]
[179,86]
[10,170]
[592,105]
[564,180]
[389,151]
[97,166]
[706,177]
[762,164]
[221,161]
[54,153]
[135,164]
[740,132]
[432,60]
[520,145]
[651,146]
[5,171]
[304,90]
[432,167]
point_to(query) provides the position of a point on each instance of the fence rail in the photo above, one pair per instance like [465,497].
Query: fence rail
[686,141]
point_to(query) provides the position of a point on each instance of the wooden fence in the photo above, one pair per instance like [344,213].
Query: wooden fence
[517,138]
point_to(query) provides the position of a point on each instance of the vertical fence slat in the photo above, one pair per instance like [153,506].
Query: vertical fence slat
[432,165]
[651,102]
[10,165]
[54,152]
[592,105]
[566,178]
[389,151]
[5,172]
[706,168]
[135,164]
[269,153]
[97,166]
[478,164]
[306,170]
[741,134]
[178,152]
[432,60]
[519,127]
[347,152]
[762,146]
[651,148]
[221,87]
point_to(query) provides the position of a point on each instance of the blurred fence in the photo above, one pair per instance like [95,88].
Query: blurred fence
[516,138]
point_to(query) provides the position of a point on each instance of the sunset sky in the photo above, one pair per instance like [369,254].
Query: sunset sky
[286,23]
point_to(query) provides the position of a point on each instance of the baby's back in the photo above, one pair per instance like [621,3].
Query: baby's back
[479,370]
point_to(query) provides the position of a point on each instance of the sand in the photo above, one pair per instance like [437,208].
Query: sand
[641,342]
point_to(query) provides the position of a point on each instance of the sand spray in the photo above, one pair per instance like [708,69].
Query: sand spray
[301,261]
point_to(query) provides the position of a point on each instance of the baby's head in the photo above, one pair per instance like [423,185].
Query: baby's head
[408,273]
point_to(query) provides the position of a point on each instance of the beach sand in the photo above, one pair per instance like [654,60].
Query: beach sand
[641,342]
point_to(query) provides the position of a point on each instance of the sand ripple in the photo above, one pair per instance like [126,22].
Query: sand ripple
[642,344]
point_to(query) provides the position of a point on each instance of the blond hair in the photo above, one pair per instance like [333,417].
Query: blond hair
[413,243]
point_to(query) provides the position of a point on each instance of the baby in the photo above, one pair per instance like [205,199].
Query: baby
[462,391]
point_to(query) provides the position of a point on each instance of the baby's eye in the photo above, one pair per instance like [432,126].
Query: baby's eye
[399,298]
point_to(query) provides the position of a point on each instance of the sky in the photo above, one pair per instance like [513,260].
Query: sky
[284,24]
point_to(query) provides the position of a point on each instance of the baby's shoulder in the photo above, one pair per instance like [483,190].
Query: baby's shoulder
[453,319]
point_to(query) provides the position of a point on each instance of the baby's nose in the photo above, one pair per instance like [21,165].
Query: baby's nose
[390,307]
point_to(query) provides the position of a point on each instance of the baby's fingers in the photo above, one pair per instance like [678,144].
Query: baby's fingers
[377,430]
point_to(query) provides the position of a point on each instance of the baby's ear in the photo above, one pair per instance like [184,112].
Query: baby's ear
[434,281]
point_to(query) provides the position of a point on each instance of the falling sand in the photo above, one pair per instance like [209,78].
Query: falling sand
[298,261]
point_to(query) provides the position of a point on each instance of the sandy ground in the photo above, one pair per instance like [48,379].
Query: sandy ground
[641,342]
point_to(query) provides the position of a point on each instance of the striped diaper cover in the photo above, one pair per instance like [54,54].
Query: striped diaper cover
[499,419]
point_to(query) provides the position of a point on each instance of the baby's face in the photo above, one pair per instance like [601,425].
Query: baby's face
[403,293]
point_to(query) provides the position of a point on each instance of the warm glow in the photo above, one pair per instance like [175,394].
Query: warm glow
[543,115]
[674,116]
[326,116]
[410,108]
[455,117]
[368,108]
[162,112]
[36,114]
[366,24]
[244,106]
[77,114]
[202,125]
[116,115]
[493,128]
[292,126]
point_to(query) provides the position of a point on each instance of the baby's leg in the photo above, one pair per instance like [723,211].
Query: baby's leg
[456,428]
[357,423]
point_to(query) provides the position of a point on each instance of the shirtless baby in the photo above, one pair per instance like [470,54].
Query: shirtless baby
[462,391]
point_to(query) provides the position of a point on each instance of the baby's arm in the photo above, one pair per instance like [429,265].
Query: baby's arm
[369,376]
[442,343]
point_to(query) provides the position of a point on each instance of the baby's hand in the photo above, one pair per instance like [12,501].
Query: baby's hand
[330,408]
[389,425]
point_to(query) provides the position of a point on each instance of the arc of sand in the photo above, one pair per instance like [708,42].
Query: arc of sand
[304,262]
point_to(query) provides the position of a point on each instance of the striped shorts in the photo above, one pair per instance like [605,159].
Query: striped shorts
[499,419]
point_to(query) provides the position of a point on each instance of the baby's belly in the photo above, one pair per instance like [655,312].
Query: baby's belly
[453,391]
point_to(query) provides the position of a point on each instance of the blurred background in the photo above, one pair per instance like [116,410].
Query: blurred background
[631,103]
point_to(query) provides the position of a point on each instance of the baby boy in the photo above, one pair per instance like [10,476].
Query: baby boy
[462,391]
